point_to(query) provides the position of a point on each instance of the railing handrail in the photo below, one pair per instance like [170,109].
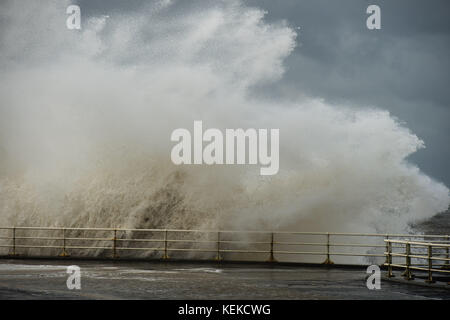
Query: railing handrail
[233,231]
[424,244]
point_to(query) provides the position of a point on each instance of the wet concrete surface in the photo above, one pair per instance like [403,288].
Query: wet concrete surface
[46,279]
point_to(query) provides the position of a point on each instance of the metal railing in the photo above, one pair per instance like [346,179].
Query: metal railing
[271,246]
[420,256]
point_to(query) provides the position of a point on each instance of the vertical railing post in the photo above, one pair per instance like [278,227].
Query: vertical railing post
[328,260]
[271,257]
[447,262]
[218,257]
[165,256]
[387,248]
[407,273]
[14,242]
[115,244]
[389,258]
[64,253]
[430,264]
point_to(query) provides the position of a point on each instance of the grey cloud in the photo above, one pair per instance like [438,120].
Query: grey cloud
[403,67]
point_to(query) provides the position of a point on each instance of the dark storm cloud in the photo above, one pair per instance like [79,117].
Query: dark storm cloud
[404,67]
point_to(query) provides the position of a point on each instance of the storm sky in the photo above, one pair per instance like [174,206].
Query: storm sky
[403,68]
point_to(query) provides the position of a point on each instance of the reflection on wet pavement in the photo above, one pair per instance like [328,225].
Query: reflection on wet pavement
[25,279]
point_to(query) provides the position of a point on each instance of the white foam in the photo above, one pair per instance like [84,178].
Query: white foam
[86,117]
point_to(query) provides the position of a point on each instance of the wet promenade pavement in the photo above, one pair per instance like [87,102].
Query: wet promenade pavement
[46,279]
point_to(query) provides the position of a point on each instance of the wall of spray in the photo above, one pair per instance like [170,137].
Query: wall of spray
[86,118]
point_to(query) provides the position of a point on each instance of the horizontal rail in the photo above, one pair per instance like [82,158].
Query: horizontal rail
[423,244]
[421,268]
[228,231]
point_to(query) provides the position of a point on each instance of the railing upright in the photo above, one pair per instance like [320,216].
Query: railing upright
[389,258]
[218,257]
[14,241]
[165,256]
[386,236]
[115,244]
[430,264]
[408,275]
[328,260]
[447,262]
[64,253]
[271,257]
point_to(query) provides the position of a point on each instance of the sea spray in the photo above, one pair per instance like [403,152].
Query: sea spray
[86,117]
